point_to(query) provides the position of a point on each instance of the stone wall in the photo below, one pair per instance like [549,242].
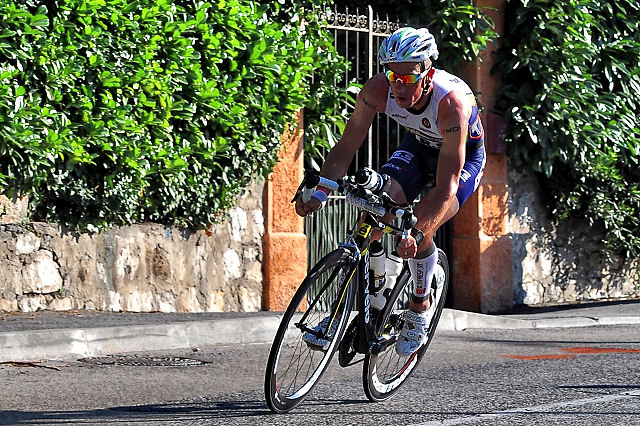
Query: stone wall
[560,263]
[139,268]
[153,268]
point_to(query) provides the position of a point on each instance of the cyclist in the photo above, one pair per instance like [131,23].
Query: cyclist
[445,139]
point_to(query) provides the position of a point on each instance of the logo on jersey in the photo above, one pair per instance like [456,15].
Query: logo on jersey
[404,156]
[396,115]
[476,131]
[430,141]
[464,176]
[426,123]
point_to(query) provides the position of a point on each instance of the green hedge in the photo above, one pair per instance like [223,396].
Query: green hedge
[572,99]
[116,111]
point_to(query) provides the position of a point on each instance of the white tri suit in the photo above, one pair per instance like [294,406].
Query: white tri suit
[414,163]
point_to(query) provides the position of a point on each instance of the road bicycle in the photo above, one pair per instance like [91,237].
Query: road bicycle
[328,293]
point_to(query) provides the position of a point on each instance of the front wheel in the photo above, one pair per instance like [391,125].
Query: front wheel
[295,365]
[385,372]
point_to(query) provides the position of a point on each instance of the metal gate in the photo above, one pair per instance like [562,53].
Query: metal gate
[357,37]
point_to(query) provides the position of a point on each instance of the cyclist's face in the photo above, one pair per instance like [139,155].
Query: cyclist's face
[407,94]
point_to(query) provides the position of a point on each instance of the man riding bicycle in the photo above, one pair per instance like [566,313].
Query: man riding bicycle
[445,139]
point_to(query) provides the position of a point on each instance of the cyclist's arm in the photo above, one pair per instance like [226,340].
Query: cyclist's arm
[371,99]
[453,119]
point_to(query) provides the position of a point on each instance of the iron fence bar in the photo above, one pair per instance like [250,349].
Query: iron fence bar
[369,75]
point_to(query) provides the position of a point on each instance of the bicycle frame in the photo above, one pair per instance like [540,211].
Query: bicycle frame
[368,340]
[358,245]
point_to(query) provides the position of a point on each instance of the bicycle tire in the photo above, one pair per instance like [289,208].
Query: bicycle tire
[383,374]
[293,367]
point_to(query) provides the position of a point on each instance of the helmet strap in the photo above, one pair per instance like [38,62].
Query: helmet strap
[426,91]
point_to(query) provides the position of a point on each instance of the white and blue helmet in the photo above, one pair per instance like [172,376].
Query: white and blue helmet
[408,45]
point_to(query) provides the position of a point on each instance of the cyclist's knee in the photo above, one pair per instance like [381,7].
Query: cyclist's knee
[396,192]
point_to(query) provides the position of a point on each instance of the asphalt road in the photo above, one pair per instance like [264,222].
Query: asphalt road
[575,376]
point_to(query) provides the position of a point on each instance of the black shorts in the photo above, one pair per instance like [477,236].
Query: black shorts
[413,165]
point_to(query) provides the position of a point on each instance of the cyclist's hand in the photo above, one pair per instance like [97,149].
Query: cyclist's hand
[305,209]
[407,248]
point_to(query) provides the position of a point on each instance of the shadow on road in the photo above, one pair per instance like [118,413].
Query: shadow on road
[154,413]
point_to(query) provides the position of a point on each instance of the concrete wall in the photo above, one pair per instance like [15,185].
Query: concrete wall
[559,263]
[139,268]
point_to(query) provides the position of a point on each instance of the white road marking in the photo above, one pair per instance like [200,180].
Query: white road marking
[534,409]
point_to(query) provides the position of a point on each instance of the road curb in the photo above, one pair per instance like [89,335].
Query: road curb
[455,320]
[32,345]
[77,343]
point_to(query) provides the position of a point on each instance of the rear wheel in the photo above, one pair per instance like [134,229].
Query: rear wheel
[384,373]
[294,366]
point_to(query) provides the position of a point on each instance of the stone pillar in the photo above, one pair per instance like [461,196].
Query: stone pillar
[482,247]
[285,244]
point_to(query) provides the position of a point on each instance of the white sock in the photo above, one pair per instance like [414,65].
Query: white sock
[422,268]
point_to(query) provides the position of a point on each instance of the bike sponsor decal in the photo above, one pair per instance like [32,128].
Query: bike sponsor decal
[364,230]
[367,297]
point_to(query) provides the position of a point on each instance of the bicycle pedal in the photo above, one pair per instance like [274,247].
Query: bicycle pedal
[383,343]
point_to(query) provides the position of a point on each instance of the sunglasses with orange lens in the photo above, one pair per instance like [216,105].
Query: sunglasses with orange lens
[405,78]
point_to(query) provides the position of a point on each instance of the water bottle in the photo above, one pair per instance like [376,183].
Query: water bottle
[367,178]
[376,266]
[391,268]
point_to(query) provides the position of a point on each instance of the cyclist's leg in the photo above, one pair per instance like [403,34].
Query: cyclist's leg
[424,262]
[470,177]
[409,168]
